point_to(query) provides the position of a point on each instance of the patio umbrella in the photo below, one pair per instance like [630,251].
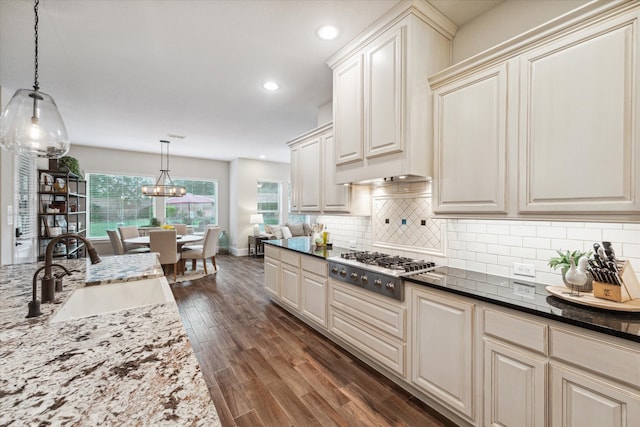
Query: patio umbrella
[189,199]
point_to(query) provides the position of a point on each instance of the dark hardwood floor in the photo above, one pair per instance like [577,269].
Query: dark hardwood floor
[264,367]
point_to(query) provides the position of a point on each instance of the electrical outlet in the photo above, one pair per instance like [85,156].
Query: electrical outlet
[524,269]
[353,244]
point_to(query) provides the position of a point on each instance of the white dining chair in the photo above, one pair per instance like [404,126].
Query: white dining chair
[118,248]
[181,229]
[166,244]
[205,251]
[129,232]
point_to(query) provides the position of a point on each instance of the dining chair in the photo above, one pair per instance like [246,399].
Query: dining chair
[181,229]
[166,244]
[129,232]
[205,251]
[118,248]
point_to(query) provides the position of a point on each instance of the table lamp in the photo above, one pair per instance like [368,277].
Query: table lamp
[256,220]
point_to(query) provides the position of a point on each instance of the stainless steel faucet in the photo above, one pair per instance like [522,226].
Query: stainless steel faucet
[53,282]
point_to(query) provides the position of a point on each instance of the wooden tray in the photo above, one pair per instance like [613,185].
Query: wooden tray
[587,298]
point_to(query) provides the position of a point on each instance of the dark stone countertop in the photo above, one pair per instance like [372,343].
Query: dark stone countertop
[517,294]
[532,298]
[304,246]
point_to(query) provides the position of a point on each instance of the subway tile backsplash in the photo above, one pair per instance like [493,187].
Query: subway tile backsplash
[493,246]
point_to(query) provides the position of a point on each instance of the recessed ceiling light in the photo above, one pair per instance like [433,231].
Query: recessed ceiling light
[271,85]
[327,32]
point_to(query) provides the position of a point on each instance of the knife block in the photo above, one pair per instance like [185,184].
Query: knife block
[629,290]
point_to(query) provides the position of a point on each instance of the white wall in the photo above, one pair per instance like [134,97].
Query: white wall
[244,177]
[325,113]
[507,20]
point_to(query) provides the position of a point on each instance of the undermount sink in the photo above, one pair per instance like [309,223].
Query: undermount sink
[112,297]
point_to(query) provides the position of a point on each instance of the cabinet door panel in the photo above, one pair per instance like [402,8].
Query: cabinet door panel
[578,108]
[309,173]
[443,371]
[335,197]
[582,400]
[514,387]
[470,146]
[272,276]
[347,111]
[295,184]
[383,96]
[290,293]
[314,298]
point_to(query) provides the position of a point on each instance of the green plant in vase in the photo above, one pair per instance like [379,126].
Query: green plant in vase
[71,163]
[562,262]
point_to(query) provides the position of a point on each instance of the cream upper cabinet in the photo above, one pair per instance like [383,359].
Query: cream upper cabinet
[579,141]
[335,198]
[295,191]
[545,125]
[443,349]
[383,97]
[313,183]
[382,101]
[310,174]
[347,104]
[470,128]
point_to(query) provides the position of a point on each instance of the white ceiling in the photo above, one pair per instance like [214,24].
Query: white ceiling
[126,74]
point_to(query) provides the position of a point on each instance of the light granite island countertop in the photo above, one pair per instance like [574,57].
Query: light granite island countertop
[132,367]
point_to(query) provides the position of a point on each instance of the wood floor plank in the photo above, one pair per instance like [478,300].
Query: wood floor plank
[265,367]
[232,391]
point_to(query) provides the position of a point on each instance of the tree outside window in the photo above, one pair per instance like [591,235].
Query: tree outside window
[198,208]
[116,201]
[269,201]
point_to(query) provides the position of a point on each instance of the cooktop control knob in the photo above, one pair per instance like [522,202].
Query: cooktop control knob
[377,283]
[354,277]
[364,280]
[343,272]
[334,269]
[390,286]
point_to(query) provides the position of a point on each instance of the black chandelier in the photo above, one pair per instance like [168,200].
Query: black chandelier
[164,186]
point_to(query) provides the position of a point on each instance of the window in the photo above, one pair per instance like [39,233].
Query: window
[26,214]
[115,201]
[269,201]
[198,208]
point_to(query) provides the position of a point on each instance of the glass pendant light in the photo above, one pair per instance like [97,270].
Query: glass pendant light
[31,124]
[164,186]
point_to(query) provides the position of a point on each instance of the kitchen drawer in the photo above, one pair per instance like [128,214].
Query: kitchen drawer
[291,258]
[602,357]
[378,346]
[381,313]
[271,252]
[526,333]
[314,265]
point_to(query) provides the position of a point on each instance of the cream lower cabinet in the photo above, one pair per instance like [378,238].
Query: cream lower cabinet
[298,282]
[442,364]
[314,290]
[582,399]
[594,381]
[514,386]
[272,270]
[290,278]
[515,370]
[373,325]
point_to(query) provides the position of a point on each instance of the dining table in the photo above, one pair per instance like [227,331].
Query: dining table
[181,240]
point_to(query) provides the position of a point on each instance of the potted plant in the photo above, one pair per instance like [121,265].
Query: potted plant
[562,261]
[71,164]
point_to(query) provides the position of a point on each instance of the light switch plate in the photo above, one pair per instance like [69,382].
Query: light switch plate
[524,269]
